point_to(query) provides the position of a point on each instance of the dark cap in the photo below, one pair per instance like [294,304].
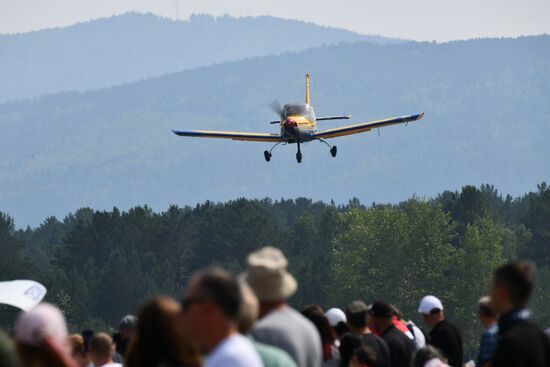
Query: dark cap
[356,307]
[381,309]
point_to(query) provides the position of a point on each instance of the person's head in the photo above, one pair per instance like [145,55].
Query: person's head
[431,310]
[78,350]
[486,312]
[87,335]
[250,309]
[158,337]
[380,314]
[211,307]
[41,337]
[100,350]
[512,286]
[126,326]
[430,356]
[315,314]
[268,277]
[356,316]
[338,321]
[363,356]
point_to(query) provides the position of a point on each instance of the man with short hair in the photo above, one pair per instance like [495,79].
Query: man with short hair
[101,348]
[521,342]
[401,346]
[279,324]
[210,311]
[488,319]
[443,335]
[360,335]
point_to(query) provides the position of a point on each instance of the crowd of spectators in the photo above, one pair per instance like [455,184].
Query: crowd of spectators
[224,320]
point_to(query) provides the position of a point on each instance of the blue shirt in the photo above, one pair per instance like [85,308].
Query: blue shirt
[487,345]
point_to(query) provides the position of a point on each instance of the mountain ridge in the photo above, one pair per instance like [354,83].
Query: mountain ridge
[134,46]
[487,120]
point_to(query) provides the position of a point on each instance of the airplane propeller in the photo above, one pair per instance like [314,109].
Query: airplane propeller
[276,107]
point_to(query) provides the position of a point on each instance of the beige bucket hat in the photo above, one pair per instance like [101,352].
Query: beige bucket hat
[268,276]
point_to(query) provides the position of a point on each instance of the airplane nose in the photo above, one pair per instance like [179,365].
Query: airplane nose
[289,123]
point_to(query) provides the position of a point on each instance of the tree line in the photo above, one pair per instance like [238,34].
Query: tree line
[100,265]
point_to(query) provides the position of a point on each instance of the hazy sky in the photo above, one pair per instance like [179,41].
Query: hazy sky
[439,20]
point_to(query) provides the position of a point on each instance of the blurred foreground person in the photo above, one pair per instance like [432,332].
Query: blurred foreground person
[211,309]
[331,354]
[101,351]
[280,325]
[78,350]
[8,355]
[337,320]
[363,356]
[158,338]
[41,338]
[521,342]
[401,346]
[444,336]
[488,319]
[271,356]
[429,356]
[360,335]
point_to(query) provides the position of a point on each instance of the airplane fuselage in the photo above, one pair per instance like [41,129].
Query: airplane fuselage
[298,123]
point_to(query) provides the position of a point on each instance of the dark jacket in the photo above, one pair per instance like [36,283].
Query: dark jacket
[447,338]
[521,342]
[401,347]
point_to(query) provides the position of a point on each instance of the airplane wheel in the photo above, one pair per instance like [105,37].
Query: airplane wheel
[299,157]
[333,151]
[267,156]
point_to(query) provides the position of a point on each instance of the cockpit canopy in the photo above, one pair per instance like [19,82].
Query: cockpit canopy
[301,109]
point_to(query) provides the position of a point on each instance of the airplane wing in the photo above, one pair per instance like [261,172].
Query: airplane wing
[234,135]
[366,126]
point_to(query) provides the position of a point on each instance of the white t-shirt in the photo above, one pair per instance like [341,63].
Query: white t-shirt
[112,364]
[234,351]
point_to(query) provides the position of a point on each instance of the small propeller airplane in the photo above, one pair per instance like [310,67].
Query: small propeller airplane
[298,124]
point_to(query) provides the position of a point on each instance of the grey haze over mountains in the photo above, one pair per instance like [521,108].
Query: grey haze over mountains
[133,46]
[487,120]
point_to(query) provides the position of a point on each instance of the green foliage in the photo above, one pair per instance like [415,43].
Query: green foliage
[407,250]
[537,220]
[100,265]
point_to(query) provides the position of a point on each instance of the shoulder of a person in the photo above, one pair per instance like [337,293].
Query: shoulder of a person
[522,327]
[275,355]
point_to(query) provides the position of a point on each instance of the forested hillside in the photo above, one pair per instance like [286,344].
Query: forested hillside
[100,265]
[134,46]
[487,120]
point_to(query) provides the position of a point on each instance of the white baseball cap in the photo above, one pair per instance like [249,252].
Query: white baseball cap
[335,316]
[43,321]
[428,303]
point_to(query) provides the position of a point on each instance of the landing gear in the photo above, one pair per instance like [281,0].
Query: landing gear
[333,149]
[299,154]
[267,154]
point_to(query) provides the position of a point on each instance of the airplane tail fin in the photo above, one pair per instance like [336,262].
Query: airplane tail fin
[307,88]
